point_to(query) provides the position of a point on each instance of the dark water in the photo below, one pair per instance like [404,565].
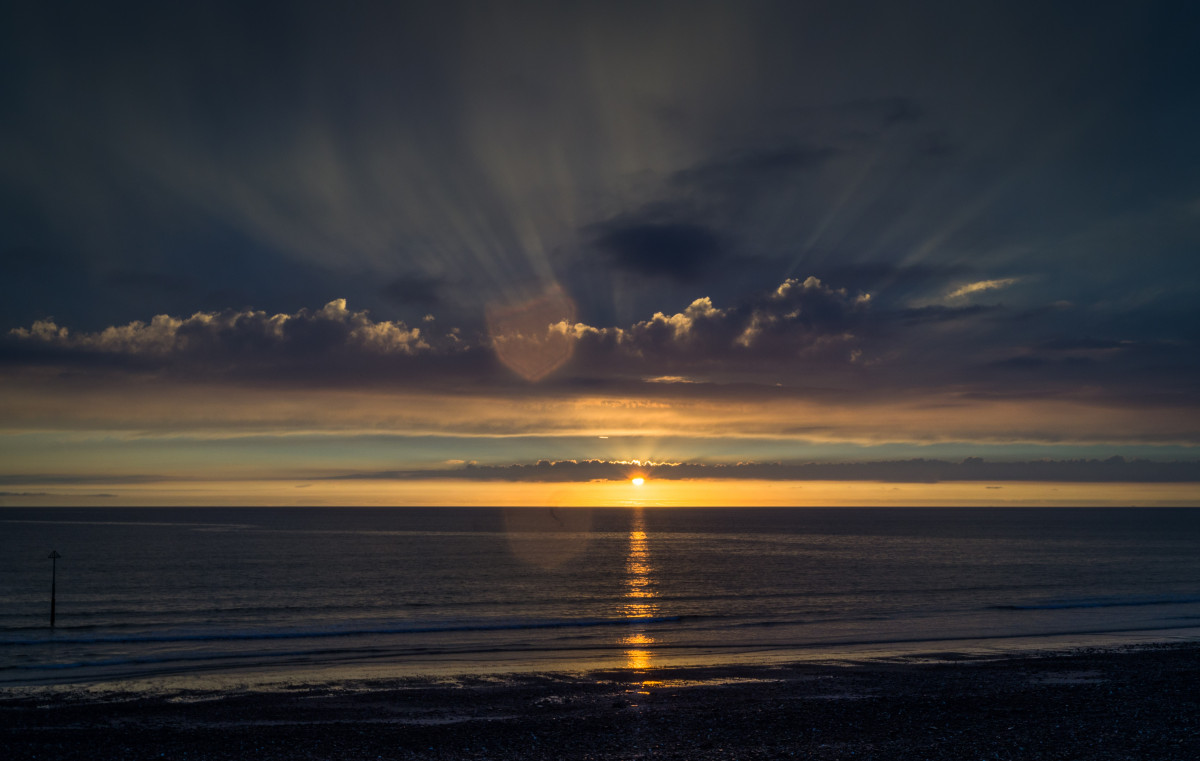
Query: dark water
[345,591]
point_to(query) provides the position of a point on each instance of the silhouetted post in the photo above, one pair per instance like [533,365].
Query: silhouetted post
[54,556]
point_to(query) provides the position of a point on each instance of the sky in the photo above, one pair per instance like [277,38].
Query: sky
[523,252]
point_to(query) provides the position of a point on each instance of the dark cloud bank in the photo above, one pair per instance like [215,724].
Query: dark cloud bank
[1111,470]
[804,335]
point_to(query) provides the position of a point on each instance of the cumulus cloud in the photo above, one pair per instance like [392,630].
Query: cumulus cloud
[700,323]
[809,309]
[231,334]
[800,319]
[805,334]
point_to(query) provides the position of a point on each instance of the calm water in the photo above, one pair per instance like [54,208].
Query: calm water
[228,593]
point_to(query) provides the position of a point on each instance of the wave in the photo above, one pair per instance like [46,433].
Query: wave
[159,524]
[1100,602]
[206,611]
[179,662]
[322,633]
[767,623]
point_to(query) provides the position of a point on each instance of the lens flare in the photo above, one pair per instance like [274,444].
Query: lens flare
[532,337]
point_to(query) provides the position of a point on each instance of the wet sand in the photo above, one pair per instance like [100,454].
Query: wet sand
[1137,703]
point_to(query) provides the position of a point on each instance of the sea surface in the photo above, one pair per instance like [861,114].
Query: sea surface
[223,595]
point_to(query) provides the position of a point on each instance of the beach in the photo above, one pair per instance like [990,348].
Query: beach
[618,634]
[1126,703]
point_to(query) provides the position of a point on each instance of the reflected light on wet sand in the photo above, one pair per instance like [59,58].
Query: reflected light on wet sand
[639,596]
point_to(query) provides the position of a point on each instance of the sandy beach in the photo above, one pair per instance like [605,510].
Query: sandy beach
[1134,703]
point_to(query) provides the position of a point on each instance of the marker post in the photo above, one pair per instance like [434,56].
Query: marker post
[54,556]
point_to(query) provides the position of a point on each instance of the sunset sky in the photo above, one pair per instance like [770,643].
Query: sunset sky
[523,252]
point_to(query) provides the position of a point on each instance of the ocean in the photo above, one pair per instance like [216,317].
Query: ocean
[213,596]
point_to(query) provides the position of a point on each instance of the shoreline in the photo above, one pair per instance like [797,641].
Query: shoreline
[1138,701]
[257,672]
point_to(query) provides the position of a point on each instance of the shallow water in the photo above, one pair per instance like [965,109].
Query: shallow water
[224,593]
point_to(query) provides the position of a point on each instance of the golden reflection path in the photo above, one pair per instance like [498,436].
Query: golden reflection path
[638,602]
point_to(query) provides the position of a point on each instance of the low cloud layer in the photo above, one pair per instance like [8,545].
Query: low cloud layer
[804,335]
[799,320]
[232,333]
[230,343]
[802,322]
[1111,470]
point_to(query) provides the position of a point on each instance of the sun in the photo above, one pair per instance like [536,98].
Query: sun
[638,481]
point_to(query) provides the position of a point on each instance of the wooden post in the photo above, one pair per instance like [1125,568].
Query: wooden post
[54,556]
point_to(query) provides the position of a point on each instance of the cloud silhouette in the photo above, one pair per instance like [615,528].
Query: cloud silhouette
[677,251]
[1112,469]
[805,335]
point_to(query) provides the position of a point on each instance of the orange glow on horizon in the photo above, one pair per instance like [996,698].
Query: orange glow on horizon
[656,493]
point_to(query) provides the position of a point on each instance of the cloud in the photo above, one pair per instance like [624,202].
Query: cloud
[225,339]
[937,313]
[889,280]
[695,226]
[803,337]
[466,395]
[61,479]
[676,251]
[807,312]
[1113,469]
[979,286]
[800,326]
[800,321]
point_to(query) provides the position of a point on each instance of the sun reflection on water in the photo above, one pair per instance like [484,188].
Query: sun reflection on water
[639,596]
